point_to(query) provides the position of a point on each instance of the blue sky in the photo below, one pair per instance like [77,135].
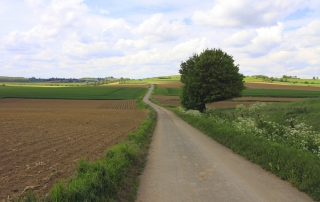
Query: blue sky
[142,38]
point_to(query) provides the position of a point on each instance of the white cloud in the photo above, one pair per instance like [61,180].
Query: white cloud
[103,11]
[123,44]
[186,49]
[242,37]
[312,29]
[72,38]
[157,28]
[266,40]
[237,13]
[35,3]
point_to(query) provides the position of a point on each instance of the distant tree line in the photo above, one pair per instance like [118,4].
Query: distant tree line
[284,78]
[164,77]
[13,79]
[58,80]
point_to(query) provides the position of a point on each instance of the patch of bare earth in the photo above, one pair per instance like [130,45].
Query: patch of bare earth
[168,84]
[42,140]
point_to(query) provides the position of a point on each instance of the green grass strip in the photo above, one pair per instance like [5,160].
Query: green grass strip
[77,93]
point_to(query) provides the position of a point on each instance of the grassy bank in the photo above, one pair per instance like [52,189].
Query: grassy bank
[293,154]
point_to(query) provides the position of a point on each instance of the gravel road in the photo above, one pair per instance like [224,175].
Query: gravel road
[186,165]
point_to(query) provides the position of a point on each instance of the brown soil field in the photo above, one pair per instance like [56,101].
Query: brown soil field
[127,85]
[279,86]
[175,101]
[42,140]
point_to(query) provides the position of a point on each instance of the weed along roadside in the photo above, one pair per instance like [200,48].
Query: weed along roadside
[293,154]
[112,178]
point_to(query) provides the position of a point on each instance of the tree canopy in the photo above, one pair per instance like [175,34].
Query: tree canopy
[209,77]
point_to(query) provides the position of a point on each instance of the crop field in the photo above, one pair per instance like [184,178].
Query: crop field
[264,85]
[246,101]
[280,93]
[42,140]
[82,93]
[168,94]
[166,91]
[254,92]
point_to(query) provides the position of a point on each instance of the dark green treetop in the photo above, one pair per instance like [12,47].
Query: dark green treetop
[209,77]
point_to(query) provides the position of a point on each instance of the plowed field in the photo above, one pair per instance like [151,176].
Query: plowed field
[42,140]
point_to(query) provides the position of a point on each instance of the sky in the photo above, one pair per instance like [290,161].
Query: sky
[148,38]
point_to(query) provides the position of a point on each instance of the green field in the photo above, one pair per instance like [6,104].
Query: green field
[78,93]
[166,91]
[250,92]
[43,84]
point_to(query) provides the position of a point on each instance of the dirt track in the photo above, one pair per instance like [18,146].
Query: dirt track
[42,140]
[186,165]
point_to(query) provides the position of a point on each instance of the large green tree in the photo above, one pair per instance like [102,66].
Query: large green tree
[209,77]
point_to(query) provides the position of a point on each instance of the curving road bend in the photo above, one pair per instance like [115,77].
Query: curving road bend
[186,165]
